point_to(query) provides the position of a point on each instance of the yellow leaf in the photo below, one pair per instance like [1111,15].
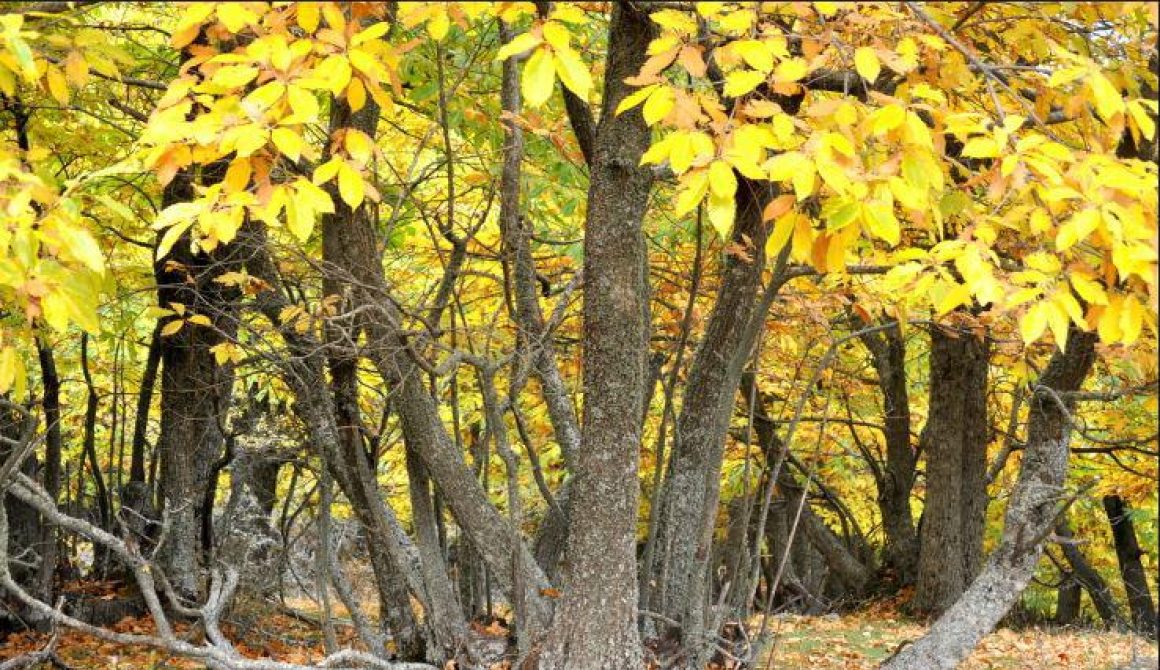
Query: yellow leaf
[224,352]
[1088,289]
[755,53]
[334,16]
[783,167]
[250,140]
[235,16]
[782,230]
[76,68]
[635,98]
[84,248]
[866,63]
[356,95]
[350,186]
[836,253]
[959,294]
[803,239]
[1107,98]
[573,73]
[981,147]
[1034,322]
[438,25]
[793,69]
[1058,321]
[658,105]
[1144,122]
[556,34]
[200,320]
[308,16]
[1109,324]
[172,327]
[722,181]
[887,118]
[264,97]
[538,77]
[1131,320]
[288,142]
[238,175]
[325,172]
[304,104]
[57,85]
[880,220]
[8,362]
[358,145]
[372,33]
[740,82]
[1077,228]
[234,76]
[1063,298]
[721,211]
[519,44]
[695,184]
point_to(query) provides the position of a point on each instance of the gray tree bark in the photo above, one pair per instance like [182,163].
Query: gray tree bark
[1031,514]
[954,441]
[595,625]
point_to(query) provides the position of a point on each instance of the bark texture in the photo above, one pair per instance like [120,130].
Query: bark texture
[894,482]
[955,443]
[1128,553]
[1031,514]
[595,627]
[693,485]
[195,390]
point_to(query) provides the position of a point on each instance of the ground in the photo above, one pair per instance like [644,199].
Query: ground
[850,642]
[858,642]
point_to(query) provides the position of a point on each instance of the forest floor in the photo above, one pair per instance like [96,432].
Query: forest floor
[862,641]
[855,641]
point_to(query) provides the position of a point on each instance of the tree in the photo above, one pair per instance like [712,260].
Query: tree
[484,272]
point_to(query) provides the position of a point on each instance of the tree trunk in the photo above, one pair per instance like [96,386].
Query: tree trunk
[693,485]
[595,625]
[533,339]
[1068,600]
[195,390]
[955,443]
[25,532]
[888,353]
[1087,577]
[144,402]
[1128,553]
[52,467]
[1031,514]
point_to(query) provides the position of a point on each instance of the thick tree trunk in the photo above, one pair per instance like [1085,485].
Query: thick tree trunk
[1031,514]
[1128,553]
[195,390]
[595,626]
[888,353]
[693,485]
[955,443]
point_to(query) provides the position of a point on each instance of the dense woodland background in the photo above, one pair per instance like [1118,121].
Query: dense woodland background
[574,335]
